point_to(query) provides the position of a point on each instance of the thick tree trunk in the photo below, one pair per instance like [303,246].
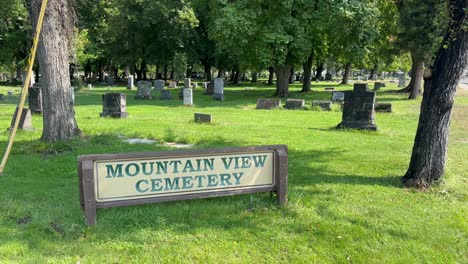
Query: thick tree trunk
[165,72]
[59,122]
[417,74]
[346,73]
[235,80]
[270,77]
[207,69]
[306,85]
[430,145]
[320,68]
[282,80]
[291,76]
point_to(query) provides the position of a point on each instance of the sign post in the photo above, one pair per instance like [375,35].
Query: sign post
[113,180]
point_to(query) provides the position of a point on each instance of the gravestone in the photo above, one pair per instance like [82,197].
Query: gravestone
[35,99]
[25,122]
[194,85]
[165,95]
[218,89]
[358,110]
[383,107]
[110,80]
[328,76]
[188,97]
[203,118]
[130,82]
[401,82]
[10,93]
[1,97]
[268,103]
[90,86]
[205,85]
[209,89]
[295,104]
[144,90]
[329,89]
[359,77]
[366,78]
[159,85]
[323,105]
[114,105]
[172,84]
[338,97]
[187,83]
[378,85]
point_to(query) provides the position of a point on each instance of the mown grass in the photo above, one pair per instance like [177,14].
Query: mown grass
[345,199]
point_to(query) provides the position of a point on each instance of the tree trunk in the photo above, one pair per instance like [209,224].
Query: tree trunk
[291,76]
[270,77]
[236,77]
[430,145]
[346,73]
[417,74]
[306,85]
[59,122]
[254,77]
[282,80]
[165,72]
[220,73]
[320,68]
[207,69]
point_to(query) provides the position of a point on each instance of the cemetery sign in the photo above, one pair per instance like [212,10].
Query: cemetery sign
[112,180]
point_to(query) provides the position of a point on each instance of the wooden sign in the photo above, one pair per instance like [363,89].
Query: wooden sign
[113,180]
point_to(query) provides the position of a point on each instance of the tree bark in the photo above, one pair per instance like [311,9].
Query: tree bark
[165,72]
[235,80]
[291,76]
[59,122]
[417,74]
[282,80]
[254,77]
[207,69]
[320,68]
[346,73]
[428,159]
[306,85]
[270,77]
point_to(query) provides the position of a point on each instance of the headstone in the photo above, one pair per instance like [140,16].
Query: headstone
[114,105]
[10,93]
[383,107]
[35,99]
[359,77]
[110,80]
[205,85]
[187,83]
[1,97]
[159,85]
[358,110]
[172,84]
[90,86]
[165,95]
[268,103]
[144,90]
[218,89]
[338,97]
[295,104]
[209,89]
[323,105]
[402,81]
[378,85]
[328,76]
[188,97]
[366,78]
[202,118]
[25,122]
[329,89]
[194,85]
[130,82]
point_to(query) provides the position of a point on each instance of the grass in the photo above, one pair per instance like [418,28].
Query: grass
[345,199]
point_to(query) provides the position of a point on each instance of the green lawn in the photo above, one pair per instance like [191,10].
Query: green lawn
[345,199]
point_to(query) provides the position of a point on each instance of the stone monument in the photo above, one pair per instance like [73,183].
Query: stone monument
[323,105]
[165,95]
[358,109]
[25,122]
[295,104]
[114,105]
[144,90]
[268,103]
[130,82]
[159,85]
[188,97]
[35,99]
[218,89]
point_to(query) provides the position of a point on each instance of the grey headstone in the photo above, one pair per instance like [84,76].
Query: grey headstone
[203,118]
[378,85]
[188,96]
[35,99]
[295,104]
[165,95]
[324,105]
[114,105]
[110,80]
[383,107]
[338,97]
[209,88]
[218,89]
[172,84]
[205,85]
[187,83]
[159,85]
[90,86]
[25,122]
[144,90]
[130,82]
[358,109]
[10,93]
[268,103]
[366,78]
[401,82]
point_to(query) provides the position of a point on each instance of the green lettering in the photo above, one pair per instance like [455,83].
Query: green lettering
[143,165]
[187,182]
[199,179]
[156,185]
[175,163]
[225,179]
[259,160]
[138,186]
[112,173]
[212,182]
[188,166]
[209,163]
[238,177]
[226,164]
[246,162]
[174,185]
[161,166]
[137,169]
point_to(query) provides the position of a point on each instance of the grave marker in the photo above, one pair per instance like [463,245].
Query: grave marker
[159,85]
[358,109]
[25,122]
[202,118]
[402,82]
[295,104]
[130,82]
[209,89]
[338,97]
[268,103]
[35,98]
[144,90]
[378,85]
[114,105]
[188,97]
[383,107]
[165,95]
[323,105]
[218,89]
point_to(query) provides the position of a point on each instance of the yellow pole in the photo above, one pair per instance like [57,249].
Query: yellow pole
[24,91]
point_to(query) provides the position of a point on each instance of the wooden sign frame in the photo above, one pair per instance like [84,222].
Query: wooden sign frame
[86,166]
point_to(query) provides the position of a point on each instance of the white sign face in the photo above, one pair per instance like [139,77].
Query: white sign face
[127,179]
[338,96]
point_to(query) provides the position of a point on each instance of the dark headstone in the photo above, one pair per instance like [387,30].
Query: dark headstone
[209,89]
[165,95]
[358,109]
[202,118]
[383,107]
[114,105]
[35,99]
[25,122]
[1,96]
[328,76]
[295,104]
[323,105]
[329,89]
[268,103]
[378,85]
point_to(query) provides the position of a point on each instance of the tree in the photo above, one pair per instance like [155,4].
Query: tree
[421,31]
[430,145]
[53,55]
